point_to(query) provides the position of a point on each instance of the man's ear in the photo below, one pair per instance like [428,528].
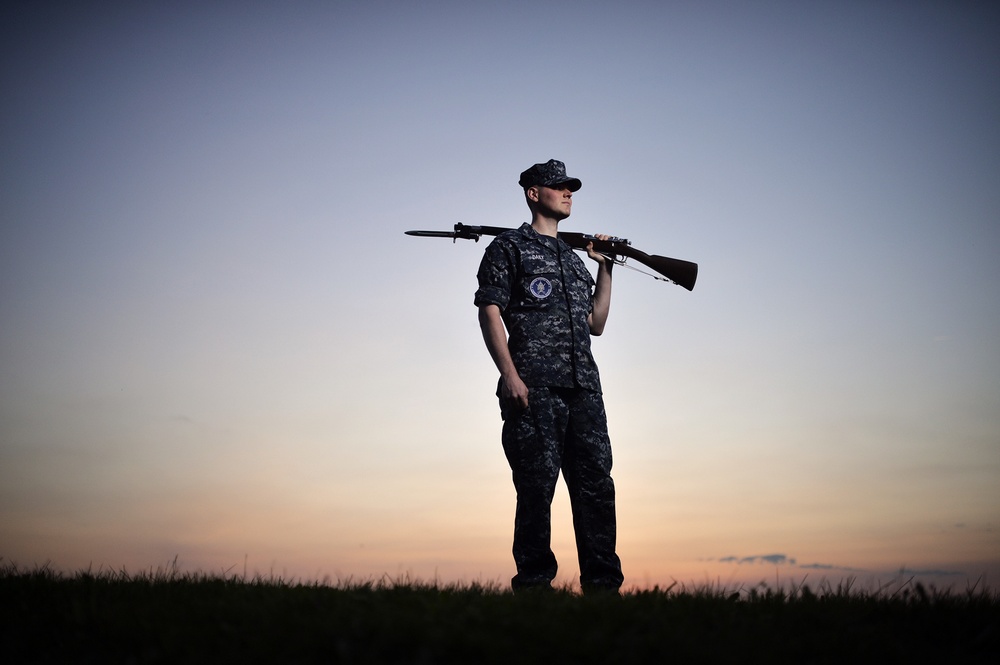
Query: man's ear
[532,193]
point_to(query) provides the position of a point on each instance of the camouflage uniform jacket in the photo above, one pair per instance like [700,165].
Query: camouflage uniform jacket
[545,294]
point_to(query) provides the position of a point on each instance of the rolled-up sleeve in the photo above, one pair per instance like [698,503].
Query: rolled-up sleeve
[496,275]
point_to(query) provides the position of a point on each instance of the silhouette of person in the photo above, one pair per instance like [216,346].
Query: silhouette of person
[538,307]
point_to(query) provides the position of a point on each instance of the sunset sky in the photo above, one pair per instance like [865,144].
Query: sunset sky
[218,348]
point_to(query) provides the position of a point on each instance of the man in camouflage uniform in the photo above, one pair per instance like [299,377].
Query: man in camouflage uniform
[534,286]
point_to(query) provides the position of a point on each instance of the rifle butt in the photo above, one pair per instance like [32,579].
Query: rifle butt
[682,273]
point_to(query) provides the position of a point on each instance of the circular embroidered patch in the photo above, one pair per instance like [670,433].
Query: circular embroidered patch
[540,287]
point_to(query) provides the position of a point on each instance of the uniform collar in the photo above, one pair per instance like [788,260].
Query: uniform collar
[529,232]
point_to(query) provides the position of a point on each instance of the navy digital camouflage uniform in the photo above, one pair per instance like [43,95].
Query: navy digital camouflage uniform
[545,294]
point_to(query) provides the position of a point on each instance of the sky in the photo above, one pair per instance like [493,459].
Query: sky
[219,352]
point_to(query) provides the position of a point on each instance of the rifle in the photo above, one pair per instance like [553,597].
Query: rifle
[682,273]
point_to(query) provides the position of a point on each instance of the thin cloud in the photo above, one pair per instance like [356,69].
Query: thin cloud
[774,559]
[829,566]
[785,560]
[931,571]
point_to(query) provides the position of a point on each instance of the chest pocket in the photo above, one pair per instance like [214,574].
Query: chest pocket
[581,288]
[540,282]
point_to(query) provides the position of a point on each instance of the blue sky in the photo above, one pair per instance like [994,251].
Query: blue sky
[216,343]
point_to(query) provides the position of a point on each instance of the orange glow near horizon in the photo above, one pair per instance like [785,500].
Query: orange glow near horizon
[472,546]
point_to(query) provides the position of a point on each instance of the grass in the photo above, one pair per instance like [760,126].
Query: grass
[167,617]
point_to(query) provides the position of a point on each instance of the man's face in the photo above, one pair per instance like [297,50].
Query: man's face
[556,201]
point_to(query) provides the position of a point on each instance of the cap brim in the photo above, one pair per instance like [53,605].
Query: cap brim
[574,184]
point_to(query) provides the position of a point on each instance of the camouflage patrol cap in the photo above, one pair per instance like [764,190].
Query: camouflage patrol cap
[549,174]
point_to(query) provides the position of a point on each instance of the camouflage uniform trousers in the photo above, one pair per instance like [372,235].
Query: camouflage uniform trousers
[562,429]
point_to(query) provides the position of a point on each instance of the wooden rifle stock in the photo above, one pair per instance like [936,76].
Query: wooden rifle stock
[682,273]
